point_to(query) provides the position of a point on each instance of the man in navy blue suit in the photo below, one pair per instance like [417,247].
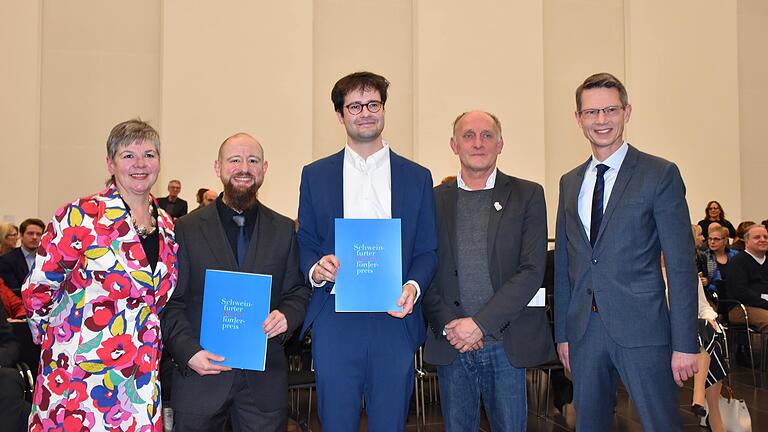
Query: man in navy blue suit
[365,355]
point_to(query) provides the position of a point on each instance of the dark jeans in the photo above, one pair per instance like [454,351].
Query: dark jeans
[487,373]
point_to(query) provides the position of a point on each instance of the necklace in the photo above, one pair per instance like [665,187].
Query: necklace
[144,231]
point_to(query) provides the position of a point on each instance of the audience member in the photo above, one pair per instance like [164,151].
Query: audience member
[738,241]
[748,279]
[209,197]
[712,364]
[14,307]
[255,239]
[199,196]
[617,212]
[16,264]
[14,410]
[105,269]
[9,237]
[701,257]
[172,204]
[483,332]
[365,356]
[718,257]
[714,213]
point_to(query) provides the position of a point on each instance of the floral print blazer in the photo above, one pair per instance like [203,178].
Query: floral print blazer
[93,302]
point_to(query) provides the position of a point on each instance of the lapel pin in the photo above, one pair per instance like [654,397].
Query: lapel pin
[497,206]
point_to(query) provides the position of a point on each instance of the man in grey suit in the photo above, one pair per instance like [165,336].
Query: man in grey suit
[236,233]
[617,212]
[492,243]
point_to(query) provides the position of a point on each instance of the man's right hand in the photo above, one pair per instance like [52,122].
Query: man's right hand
[201,363]
[325,269]
[562,352]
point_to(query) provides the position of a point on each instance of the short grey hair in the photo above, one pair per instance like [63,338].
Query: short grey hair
[129,132]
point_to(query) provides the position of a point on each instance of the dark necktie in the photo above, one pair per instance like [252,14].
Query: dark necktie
[242,242]
[597,203]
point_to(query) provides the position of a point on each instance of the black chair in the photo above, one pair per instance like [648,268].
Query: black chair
[301,377]
[29,352]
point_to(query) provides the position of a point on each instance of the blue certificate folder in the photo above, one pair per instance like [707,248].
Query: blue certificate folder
[234,307]
[370,278]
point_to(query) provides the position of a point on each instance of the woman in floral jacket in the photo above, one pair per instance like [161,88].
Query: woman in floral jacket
[104,270]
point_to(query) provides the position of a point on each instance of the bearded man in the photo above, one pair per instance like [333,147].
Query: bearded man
[236,233]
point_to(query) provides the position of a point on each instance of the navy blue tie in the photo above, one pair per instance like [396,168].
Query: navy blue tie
[597,204]
[242,242]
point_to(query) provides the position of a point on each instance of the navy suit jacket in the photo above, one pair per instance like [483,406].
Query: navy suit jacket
[321,202]
[646,214]
[14,269]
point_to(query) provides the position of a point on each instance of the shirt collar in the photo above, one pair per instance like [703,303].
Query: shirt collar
[614,161]
[374,161]
[489,183]
[759,260]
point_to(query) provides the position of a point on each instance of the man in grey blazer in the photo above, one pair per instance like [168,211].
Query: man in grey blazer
[492,243]
[235,233]
[617,213]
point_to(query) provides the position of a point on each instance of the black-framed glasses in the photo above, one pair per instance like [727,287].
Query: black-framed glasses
[592,113]
[714,208]
[714,238]
[356,108]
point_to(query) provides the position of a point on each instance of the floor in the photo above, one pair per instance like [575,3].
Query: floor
[626,419]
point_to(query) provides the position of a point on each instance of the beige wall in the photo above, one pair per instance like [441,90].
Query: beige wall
[753,93]
[230,67]
[202,71]
[20,34]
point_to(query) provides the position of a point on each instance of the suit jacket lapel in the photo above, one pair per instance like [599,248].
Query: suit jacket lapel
[264,234]
[115,213]
[619,186]
[575,184]
[447,211]
[214,235]
[500,195]
[336,190]
[396,180]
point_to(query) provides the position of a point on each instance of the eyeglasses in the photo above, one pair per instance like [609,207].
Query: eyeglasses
[715,239]
[592,113]
[12,235]
[356,108]
[714,208]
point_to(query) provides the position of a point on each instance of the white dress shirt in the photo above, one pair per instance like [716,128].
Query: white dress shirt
[367,192]
[613,162]
[489,183]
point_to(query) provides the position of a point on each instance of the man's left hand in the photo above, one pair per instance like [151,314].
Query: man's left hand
[275,324]
[463,334]
[405,301]
[683,366]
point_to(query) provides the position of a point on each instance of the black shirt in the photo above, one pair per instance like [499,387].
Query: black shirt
[150,243]
[230,227]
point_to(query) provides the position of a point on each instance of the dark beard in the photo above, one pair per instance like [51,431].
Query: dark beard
[241,199]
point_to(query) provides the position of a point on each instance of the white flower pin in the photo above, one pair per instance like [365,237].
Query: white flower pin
[497,206]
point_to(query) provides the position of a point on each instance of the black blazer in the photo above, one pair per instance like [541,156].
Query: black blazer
[14,269]
[517,247]
[203,245]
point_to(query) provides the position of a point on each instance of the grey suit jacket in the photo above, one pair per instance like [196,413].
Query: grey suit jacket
[203,245]
[646,214]
[517,246]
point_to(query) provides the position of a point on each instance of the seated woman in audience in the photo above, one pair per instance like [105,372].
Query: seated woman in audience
[718,256]
[9,237]
[738,241]
[714,213]
[701,257]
